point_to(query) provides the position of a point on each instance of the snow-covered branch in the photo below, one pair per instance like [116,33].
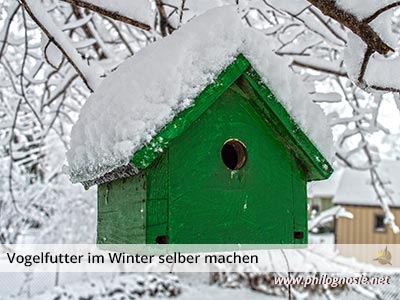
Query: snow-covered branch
[368,45]
[328,216]
[359,27]
[132,12]
[90,74]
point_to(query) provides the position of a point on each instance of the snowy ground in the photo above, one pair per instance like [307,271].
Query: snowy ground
[321,238]
[194,286]
[206,292]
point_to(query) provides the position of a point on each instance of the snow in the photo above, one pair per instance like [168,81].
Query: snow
[362,9]
[325,188]
[293,7]
[382,25]
[322,238]
[150,88]
[3,31]
[354,52]
[139,10]
[355,186]
[129,286]
[190,286]
[328,216]
[207,292]
[354,55]
[51,53]
[93,72]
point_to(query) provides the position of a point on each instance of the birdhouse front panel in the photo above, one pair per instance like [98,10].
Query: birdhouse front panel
[233,180]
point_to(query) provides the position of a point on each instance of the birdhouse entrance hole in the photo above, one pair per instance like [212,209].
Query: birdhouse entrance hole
[233,154]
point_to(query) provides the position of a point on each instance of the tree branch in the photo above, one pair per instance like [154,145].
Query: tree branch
[89,75]
[163,18]
[111,14]
[6,29]
[318,68]
[381,11]
[363,68]
[360,28]
[88,32]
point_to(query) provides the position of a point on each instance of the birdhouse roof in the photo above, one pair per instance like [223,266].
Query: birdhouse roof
[153,96]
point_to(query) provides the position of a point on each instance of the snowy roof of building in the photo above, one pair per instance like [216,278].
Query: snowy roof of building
[145,93]
[355,186]
[325,188]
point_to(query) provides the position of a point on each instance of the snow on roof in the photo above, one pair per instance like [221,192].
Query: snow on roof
[325,188]
[355,186]
[150,88]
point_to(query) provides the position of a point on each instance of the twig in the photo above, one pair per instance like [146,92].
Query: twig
[24,58]
[121,36]
[57,44]
[111,14]
[318,68]
[317,15]
[164,24]
[10,147]
[363,68]
[88,32]
[181,12]
[380,11]
[7,29]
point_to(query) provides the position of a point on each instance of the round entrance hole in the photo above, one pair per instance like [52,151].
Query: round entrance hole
[233,154]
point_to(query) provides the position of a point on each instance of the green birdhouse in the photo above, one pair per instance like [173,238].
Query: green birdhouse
[232,168]
[188,144]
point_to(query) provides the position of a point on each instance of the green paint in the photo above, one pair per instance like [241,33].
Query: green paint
[145,156]
[157,198]
[317,167]
[210,203]
[121,211]
[185,191]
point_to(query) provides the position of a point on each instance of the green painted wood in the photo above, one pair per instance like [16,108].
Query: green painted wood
[299,187]
[157,177]
[189,195]
[208,203]
[121,213]
[145,156]
[317,166]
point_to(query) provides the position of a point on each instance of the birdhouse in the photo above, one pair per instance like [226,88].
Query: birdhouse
[231,166]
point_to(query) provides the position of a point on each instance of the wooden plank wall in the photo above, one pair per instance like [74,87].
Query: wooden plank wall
[157,199]
[122,211]
[360,229]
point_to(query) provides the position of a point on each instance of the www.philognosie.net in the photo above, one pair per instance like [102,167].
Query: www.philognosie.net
[332,281]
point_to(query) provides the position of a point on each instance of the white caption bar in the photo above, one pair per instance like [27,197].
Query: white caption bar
[200,258]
